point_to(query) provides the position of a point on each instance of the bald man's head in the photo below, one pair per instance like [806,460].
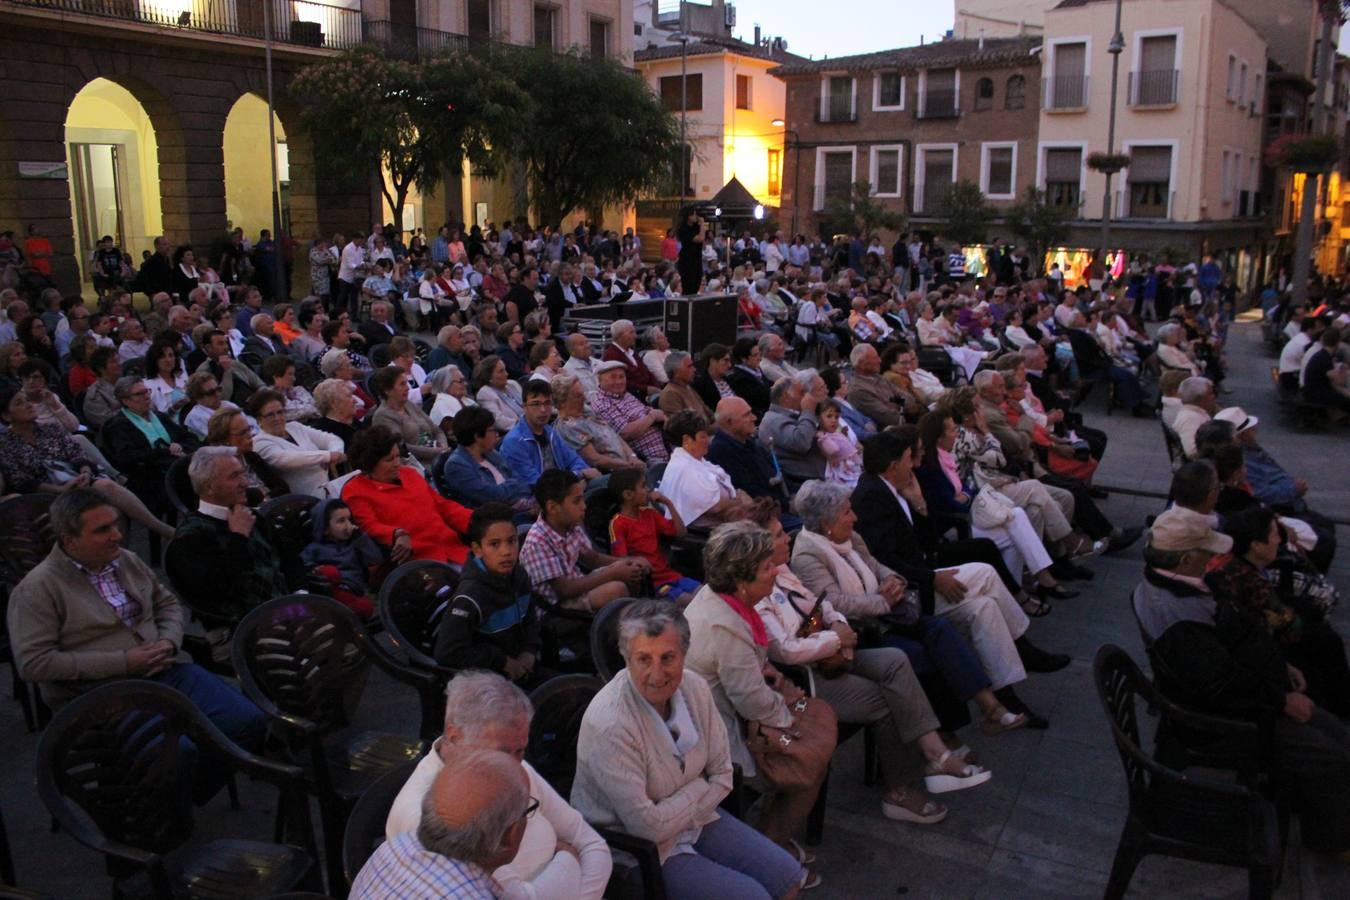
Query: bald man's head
[735,417]
[475,809]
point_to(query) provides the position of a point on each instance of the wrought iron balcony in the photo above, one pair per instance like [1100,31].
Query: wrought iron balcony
[302,22]
[832,113]
[1156,87]
[938,104]
[1066,92]
[412,42]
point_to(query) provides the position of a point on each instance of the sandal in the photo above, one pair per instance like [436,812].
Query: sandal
[1005,721]
[952,774]
[1087,547]
[914,808]
[800,853]
[1036,607]
[810,879]
[964,752]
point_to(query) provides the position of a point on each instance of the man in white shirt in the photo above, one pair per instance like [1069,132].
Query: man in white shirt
[134,342]
[560,855]
[579,362]
[773,254]
[351,264]
[1291,356]
[1199,403]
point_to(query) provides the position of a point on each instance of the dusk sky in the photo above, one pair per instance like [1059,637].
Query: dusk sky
[844,27]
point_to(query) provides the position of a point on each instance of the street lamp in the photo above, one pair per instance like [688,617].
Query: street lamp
[1115,48]
[796,164]
[683,40]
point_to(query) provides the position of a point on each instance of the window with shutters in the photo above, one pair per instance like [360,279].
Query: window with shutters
[888,91]
[1230,90]
[935,171]
[884,171]
[1015,92]
[984,93]
[775,172]
[1150,178]
[545,23]
[939,99]
[671,96]
[838,94]
[1063,176]
[1156,81]
[479,16]
[743,92]
[599,38]
[834,175]
[998,162]
[1066,87]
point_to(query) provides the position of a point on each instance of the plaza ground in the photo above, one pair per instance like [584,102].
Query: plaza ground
[1045,826]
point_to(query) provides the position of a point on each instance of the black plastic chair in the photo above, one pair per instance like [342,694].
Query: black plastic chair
[379,356]
[288,523]
[365,826]
[304,660]
[178,487]
[6,857]
[559,706]
[1176,453]
[111,771]
[421,347]
[605,638]
[26,538]
[411,604]
[1172,813]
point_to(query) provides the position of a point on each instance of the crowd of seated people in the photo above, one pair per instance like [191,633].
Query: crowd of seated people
[818,501]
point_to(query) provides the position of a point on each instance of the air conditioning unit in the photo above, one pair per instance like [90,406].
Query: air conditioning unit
[730,15]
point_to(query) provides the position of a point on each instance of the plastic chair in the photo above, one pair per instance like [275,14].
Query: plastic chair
[411,603]
[605,638]
[111,769]
[365,826]
[304,660]
[560,704]
[6,857]
[1176,453]
[1172,813]
[26,538]
[288,523]
[178,487]
[379,356]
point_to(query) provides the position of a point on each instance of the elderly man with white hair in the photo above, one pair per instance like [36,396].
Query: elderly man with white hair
[560,855]
[579,362]
[134,343]
[788,429]
[263,342]
[1199,403]
[773,363]
[623,340]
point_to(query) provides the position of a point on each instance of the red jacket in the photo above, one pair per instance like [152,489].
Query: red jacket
[639,377]
[433,522]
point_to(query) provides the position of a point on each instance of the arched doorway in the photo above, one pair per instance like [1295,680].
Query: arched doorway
[248,171]
[112,157]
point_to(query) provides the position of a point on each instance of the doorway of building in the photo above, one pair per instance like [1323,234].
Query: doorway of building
[96,179]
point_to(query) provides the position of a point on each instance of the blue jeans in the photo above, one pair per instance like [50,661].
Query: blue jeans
[732,860]
[230,711]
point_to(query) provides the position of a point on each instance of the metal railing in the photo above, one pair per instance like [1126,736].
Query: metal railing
[1066,92]
[832,112]
[413,42]
[938,104]
[293,21]
[933,197]
[1157,87]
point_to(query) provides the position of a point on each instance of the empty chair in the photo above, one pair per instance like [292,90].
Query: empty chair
[288,523]
[1172,813]
[365,826]
[605,638]
[112,769]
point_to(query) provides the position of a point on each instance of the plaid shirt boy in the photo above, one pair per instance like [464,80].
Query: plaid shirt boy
[548,555]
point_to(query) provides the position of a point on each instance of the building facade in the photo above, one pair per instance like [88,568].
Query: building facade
[910,123]
[143,117]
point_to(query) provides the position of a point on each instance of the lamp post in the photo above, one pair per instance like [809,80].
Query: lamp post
[683,40]
[278,265]
[790,139]
[1115,48]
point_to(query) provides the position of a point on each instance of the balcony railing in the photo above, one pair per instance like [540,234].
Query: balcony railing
[412,42]
[293,21]
[933,196]
[1066,92]
[1157,87]
[938,104]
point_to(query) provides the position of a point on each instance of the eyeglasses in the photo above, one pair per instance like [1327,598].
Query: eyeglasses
[211,393]
[143,392]
[273,414]
[531,809]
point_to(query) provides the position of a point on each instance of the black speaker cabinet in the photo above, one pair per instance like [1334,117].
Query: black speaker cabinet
[693,323]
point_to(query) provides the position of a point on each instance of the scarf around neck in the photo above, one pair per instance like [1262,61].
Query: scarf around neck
[757,630]
[850,572]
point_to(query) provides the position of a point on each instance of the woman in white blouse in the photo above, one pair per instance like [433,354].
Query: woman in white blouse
[452,394]
[165,378]
[498,393]
[1171,351]
[701,491]
[305,457]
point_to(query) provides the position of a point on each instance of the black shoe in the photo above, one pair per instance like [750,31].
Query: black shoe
[1143,411]
[1099,493]
[1126,538]
[1040,723]
[1037,660]
[1013,703]
[1063,570]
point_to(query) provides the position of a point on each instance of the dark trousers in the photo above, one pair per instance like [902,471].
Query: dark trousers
[1086,515]
[1128,392]
[230,711]
[1313,759]
[1319,654]
[949,671]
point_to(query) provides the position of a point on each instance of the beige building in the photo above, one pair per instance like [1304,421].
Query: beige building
[1190,99]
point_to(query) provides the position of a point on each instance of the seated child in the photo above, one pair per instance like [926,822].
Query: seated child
[343,556]
[838,444]
[636,529]
[491,623]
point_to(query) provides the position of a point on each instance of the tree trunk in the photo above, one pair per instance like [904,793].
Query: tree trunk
[1307,220]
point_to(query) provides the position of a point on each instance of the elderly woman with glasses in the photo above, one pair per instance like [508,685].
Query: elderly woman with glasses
[229,427]
[203,390]
[142,443]
[306,457]
[730,651]
[653,760]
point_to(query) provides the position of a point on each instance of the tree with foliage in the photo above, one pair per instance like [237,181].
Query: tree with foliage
[596,134]
[964,213]
[1037,224]
[413,122]
[863,212]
